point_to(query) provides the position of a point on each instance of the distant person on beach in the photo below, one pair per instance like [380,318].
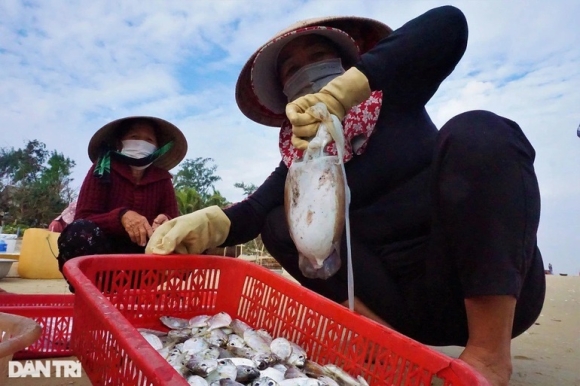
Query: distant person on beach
[128,192]
[443,222]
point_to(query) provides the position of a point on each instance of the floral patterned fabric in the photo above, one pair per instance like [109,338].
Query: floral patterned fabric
[84,237]
[358,125]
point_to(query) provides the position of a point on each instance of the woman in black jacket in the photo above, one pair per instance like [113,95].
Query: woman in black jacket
[443,222]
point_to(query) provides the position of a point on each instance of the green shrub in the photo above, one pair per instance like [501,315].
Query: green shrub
[11,229]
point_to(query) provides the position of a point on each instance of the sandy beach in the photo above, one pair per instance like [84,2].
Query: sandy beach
[547,354]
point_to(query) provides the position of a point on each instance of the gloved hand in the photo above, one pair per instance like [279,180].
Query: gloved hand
[339,96]
[191,233]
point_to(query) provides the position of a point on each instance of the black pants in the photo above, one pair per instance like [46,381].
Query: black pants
[83,238]
[482,207]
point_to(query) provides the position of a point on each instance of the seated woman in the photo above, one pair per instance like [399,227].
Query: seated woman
[128,192]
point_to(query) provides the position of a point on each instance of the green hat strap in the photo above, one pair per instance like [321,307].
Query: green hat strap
[103,164]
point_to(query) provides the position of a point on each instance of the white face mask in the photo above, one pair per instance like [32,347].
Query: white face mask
[136,148]
[311,78]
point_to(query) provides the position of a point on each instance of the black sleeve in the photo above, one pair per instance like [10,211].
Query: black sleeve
[248,216]
[410,63]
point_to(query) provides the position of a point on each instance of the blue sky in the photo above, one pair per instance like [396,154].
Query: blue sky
[69,67]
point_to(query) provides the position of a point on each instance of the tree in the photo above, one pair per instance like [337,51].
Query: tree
[35,184]
[56,176]
[216,198]
[196,174]
[189,200]
[248,189]
[22,165]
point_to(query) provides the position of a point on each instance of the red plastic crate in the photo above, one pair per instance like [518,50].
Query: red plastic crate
[117,293]
[54,313]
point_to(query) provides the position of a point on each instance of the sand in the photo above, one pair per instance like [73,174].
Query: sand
[547,354]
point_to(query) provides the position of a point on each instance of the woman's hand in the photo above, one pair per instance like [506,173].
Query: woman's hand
[339,95]
[137,227]
[160,219]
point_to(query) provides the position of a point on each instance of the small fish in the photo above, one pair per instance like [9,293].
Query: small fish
[235,340]
[219,320]
[256,341]
[300,382]
[281,347]
[199,321]
[195,345]
[243,352]
[298,356]
[313,369]
[294,372]
[196,380]
[264,360]
[164,352]
[246,374]
[153,340]
[208,353]
[174,323]
[272,373]
[327,381]
[179,335]
[221,372]
[239,327]
[217,338]
[265,335]
[199,331]
[152,331]
[264,381]
[229,382]
[225,353]
[176,359]
[339,375]
[280,367]
[201,367]
[241,361]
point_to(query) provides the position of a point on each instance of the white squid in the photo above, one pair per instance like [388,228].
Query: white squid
[316,199]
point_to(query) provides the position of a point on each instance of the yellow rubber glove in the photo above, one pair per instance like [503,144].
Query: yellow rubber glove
[339,96]
[191,233]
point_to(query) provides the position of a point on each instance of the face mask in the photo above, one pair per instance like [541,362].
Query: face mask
[313,77]
[136,148]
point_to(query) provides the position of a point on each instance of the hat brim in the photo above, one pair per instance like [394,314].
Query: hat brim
[258,91]
[166,133]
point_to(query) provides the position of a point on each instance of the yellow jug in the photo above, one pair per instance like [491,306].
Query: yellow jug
[38,255]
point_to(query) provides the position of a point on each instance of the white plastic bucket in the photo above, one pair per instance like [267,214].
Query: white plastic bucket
[10,242]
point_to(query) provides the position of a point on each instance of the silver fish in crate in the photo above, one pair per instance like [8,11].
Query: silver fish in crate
[315,199]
